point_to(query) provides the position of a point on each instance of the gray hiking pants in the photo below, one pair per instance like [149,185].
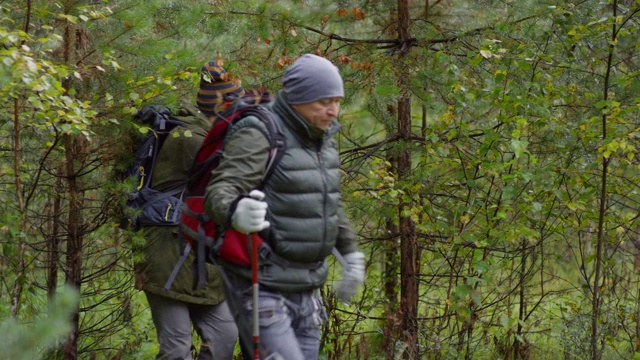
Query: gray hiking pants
[290,323]
[214,325]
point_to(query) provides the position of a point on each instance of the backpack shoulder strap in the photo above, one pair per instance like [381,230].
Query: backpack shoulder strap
[276,140]
[269,123]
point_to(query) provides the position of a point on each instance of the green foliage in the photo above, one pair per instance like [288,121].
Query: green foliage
[522,114]
[31,340]
[43,80]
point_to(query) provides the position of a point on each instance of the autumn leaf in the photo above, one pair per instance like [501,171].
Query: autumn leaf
[344,59]
[358,14]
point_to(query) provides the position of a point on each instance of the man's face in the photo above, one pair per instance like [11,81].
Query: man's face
[320,112]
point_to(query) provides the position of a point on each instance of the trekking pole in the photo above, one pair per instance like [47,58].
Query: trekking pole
[254,282]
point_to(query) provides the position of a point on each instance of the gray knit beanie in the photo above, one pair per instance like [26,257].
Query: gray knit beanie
[312,78]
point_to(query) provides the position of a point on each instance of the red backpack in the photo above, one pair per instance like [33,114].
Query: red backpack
[199,231]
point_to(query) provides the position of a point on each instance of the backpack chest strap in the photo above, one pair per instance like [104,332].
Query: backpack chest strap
[269,257]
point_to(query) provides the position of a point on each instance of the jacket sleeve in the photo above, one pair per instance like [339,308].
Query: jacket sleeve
[241,169]
[345,243]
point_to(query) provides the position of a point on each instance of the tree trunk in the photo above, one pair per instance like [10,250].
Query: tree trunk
[408,264]
[523,303]
[74,241]
[53,243]
[74,219]
[391,271]
[20,263]
[637,348]
[602,201]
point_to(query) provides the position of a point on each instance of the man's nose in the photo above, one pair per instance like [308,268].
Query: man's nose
[333,109]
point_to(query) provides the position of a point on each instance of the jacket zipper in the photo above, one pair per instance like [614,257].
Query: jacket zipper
[323,174]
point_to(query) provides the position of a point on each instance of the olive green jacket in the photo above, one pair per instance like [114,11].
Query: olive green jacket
[163,247]
[305,207]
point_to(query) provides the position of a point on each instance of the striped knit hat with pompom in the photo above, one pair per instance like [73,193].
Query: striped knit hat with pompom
[217,88]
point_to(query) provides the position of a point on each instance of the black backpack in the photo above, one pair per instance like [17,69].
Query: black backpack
[146,206]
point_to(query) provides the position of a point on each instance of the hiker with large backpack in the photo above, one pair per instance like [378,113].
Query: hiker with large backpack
[296,213]
[176,304]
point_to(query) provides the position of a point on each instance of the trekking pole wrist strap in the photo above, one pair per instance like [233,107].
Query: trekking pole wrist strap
[233,206]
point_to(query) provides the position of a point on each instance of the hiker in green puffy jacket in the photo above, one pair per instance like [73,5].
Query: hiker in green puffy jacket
[298,212]
[175,310]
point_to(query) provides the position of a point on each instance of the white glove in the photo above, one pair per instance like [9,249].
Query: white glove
[250,213]
[352,278]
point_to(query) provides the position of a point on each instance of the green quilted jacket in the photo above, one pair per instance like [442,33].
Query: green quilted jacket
[163,247]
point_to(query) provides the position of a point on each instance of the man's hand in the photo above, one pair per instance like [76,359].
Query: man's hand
[250,213]
[353,277]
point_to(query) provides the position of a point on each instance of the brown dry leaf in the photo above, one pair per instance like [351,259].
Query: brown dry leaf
[344,59]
